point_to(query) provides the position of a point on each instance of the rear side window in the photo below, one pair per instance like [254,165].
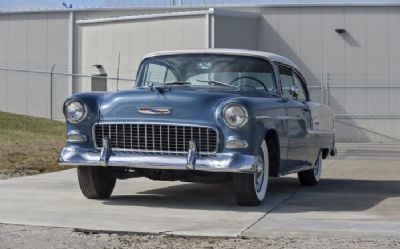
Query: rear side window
[299,84]
[287,80]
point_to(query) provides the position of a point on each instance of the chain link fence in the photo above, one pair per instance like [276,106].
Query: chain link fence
[367,109]
[41,93]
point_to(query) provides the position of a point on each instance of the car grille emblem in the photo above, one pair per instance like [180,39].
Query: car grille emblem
[154,110]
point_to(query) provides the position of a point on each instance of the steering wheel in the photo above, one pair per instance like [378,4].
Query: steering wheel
[252,78]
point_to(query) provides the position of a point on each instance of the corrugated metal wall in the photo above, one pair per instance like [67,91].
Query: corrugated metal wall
[367,50]
[235,32]
[358,70]
[308,37]
[100,43]
[33,42]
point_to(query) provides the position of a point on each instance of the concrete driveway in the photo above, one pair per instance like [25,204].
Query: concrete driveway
[359,193]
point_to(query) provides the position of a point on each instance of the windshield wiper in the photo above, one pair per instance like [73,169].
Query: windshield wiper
[215,82]
[177,83]
[159,86]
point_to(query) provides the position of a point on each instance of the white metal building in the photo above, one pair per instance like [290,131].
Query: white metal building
[348,53]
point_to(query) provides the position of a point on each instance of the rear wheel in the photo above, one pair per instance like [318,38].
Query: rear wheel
[311,177]
[251,189]
[96,182]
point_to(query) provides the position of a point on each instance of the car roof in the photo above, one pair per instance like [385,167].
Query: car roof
[270,56]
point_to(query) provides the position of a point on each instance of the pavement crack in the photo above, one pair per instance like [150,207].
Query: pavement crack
[264,215]
[330,165]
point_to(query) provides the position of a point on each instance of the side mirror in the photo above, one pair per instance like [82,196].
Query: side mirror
[294,91]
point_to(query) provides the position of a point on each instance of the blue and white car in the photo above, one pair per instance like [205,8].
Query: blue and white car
[210,115]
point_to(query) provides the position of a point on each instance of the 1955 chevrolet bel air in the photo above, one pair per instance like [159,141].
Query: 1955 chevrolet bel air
[201,116]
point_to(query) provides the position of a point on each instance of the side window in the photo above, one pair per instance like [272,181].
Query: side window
[287,80]
[299,84]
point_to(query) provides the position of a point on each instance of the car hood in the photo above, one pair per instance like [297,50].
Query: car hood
[187,104]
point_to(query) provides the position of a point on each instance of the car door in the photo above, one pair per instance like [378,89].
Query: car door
[298,118]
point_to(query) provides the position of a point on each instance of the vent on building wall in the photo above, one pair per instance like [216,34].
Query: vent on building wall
[99,81]
[340,31]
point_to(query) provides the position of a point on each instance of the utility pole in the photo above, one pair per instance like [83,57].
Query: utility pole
[176,2]
[51,92]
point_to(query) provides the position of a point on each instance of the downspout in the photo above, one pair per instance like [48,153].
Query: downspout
[207,28]
[70,52]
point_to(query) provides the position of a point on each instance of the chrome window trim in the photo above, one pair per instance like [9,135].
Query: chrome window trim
[156,123]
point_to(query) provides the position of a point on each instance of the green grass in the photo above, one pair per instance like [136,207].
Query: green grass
[29,145]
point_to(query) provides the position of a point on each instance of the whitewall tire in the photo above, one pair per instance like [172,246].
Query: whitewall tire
[311,177]
[251,189]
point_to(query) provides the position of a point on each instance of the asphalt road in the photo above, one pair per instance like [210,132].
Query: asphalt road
[359,194]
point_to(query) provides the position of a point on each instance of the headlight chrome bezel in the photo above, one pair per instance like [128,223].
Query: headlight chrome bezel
[235,104]
[84,107]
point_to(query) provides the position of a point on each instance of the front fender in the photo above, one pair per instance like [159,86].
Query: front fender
[92,101]
[263,117]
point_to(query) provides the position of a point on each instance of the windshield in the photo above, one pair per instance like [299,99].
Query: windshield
[208,70]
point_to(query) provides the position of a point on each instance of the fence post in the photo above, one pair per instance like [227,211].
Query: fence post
[322,90]
[51,91]
[327,90]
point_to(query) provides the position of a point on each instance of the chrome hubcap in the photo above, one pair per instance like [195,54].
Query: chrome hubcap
[317,168]
[259,176]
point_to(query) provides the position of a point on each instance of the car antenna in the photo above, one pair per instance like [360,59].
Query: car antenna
[119,60]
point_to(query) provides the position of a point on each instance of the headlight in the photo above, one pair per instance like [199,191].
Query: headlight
[235,115]
[74,111]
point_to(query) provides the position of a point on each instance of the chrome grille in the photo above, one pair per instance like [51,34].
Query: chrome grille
[157,138]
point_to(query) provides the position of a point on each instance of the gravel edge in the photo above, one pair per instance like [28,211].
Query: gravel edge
[24,237]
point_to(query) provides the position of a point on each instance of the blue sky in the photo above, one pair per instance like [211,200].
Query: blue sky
[34,4]
[28,4]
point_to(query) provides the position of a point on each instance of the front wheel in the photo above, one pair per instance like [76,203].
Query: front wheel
[250,189]
[311,177]
[96,182]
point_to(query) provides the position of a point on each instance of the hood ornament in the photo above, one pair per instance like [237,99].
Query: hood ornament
[154,110]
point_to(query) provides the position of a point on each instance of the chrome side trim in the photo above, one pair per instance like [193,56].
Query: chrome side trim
[300,169]
[288,117]
[278,117]
[264,117]
[316,132]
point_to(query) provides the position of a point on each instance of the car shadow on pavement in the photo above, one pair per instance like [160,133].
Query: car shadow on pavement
[286,193]
[342,195]
[184,196]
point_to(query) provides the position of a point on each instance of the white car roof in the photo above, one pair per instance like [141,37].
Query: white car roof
[270,56]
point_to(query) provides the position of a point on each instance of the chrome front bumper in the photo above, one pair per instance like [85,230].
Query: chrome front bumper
[220,162]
